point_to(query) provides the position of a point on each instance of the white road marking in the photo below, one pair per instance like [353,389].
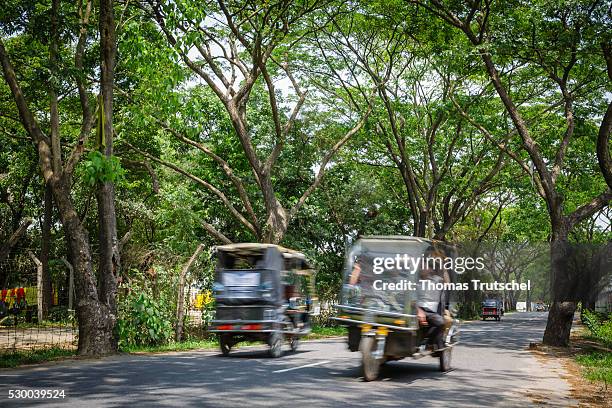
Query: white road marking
[297,368]
[479,330]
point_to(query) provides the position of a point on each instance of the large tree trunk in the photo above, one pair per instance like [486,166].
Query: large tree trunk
[96,322]
[563,284]
[109,249]
[559,323]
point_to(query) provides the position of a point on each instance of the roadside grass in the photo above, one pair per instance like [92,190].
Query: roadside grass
[597,366]
[174,346]
[595,337]
[320,332]
[11,359]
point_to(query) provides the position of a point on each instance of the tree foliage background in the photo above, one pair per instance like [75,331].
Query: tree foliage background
[309,124]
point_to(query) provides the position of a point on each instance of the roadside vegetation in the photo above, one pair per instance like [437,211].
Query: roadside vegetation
[597,366]
[600,327]
[597,363]
[11,359]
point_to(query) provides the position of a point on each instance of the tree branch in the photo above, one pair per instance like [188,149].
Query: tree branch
[216,233]
[203,183]
[590,208]
[326,160]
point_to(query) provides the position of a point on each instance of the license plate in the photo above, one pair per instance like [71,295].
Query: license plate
[241,279]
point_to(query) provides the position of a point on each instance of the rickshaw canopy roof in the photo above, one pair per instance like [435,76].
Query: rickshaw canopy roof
[292,257]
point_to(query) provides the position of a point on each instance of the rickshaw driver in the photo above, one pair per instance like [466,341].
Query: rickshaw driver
[430,301]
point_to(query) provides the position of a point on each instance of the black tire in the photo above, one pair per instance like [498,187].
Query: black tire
[275,342]
[225,344]
[370,366]
[354,337]
[445,359]
[294,343]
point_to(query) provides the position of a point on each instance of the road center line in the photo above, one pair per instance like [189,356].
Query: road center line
[297,368]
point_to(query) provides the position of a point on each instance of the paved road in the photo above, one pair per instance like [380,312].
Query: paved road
[491,368]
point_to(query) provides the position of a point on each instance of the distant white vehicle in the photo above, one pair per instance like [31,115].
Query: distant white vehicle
[521,306]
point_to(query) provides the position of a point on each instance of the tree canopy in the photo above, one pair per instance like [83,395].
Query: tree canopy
[133,131]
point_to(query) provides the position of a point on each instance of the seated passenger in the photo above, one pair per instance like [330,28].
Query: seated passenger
[430,301]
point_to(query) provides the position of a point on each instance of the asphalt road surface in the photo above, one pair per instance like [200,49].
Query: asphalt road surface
[491,367]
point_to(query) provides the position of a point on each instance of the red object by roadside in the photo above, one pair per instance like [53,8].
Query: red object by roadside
[20,294]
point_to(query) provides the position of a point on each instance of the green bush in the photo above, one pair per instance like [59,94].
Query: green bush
[598,366]
[143,322]
[599,326]
[61,314]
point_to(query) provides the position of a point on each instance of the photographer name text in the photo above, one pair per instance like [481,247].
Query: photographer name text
[475,284]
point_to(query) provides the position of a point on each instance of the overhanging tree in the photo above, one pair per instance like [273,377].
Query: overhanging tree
[240,53]
[562,45]
[95,307]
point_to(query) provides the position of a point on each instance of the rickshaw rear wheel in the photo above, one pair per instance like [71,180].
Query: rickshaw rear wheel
[225,344]
[276,344]
[369,364]
[445,359]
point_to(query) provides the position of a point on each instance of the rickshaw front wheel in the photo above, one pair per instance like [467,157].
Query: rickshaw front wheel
[445,359]
[276,344]
[370,365]
[295,342]
[225,344]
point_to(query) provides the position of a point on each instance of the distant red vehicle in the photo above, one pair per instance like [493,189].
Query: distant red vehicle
[492,308]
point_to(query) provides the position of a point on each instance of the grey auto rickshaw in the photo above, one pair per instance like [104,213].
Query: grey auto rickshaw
[378,303]
[263,292]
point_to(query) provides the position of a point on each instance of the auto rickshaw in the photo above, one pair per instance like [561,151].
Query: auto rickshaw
[492,308]
[263,292]
[383,324]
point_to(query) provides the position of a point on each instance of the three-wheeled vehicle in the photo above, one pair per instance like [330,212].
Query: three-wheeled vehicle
[492,308]
[379,303]
[263,292]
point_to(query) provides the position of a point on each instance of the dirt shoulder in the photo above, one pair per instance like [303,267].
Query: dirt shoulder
[587,393]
